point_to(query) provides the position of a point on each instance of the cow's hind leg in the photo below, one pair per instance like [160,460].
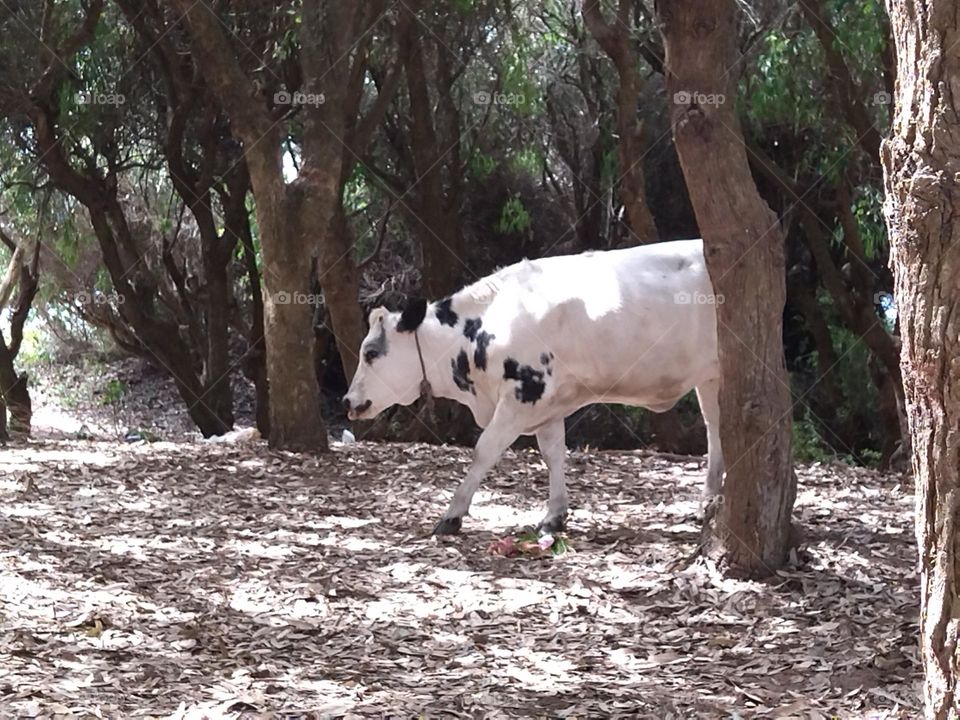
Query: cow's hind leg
[493,441]
[553,448]
[708,393]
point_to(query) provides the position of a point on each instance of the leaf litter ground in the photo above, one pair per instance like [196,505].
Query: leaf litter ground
[194,580]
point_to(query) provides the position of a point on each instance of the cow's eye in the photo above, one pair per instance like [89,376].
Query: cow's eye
[370,355]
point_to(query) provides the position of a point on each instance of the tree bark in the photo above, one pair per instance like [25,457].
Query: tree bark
[24,273]
[749,531]
[921,161]
[614,38]
[828,396]
[436,168]
[855,303]
[339,281]
[295,420]
[255,360]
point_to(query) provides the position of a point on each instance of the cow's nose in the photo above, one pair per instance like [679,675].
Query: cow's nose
[346,403]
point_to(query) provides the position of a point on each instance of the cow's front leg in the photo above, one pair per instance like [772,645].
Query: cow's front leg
[553,447]
[494,440]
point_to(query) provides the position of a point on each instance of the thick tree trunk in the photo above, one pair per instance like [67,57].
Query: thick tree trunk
[339,279]
[437,227]
[614,38]
[633,187]
[14,393]
[218,395]
[255,360]
[750,530]
[921,162]
[284,217]
[295,420]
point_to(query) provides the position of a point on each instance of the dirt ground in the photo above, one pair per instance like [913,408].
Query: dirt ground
[195,579]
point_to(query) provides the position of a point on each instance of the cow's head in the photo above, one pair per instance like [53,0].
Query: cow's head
[389,371]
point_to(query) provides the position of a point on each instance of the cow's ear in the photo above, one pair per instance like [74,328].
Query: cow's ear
[412,315]
[377,315]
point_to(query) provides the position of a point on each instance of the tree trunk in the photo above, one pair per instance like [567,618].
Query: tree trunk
[218,395]
[437,227]
[339,278]
[749,532]
[282,220]
[614,38]
[14,393]
[888,412]
[255,360]
[921,163]
[295,420]
[828,396]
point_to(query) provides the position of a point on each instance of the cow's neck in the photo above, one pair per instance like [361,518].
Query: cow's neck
[440,344]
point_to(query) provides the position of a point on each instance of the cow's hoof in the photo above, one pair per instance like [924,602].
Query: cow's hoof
[448,526]
[553,525]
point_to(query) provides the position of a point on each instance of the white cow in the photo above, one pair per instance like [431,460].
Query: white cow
[532,343]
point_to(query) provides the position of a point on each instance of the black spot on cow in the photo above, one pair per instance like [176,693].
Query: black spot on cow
[376,347]
[480,352]
[682,264]
[445,313]
[531,381]
[545,359]
[461,372]
[471,327]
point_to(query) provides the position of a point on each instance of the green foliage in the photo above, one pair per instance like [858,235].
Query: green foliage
[528,160]
[358,191]
[610,161]
[784,88]
[519,75]
[860,28]
[113,392]
[482,166]
[868,211]
[808,445]
[790,87]
[530,538]
[513,217]
[35,348]
[854,357]
[463,7]
[869,457]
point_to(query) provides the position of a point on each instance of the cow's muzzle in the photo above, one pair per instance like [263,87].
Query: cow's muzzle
[354,412]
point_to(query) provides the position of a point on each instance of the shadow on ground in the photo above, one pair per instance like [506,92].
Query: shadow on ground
[194,579]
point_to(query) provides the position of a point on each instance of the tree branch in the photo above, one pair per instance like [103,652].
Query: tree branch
[842,85]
